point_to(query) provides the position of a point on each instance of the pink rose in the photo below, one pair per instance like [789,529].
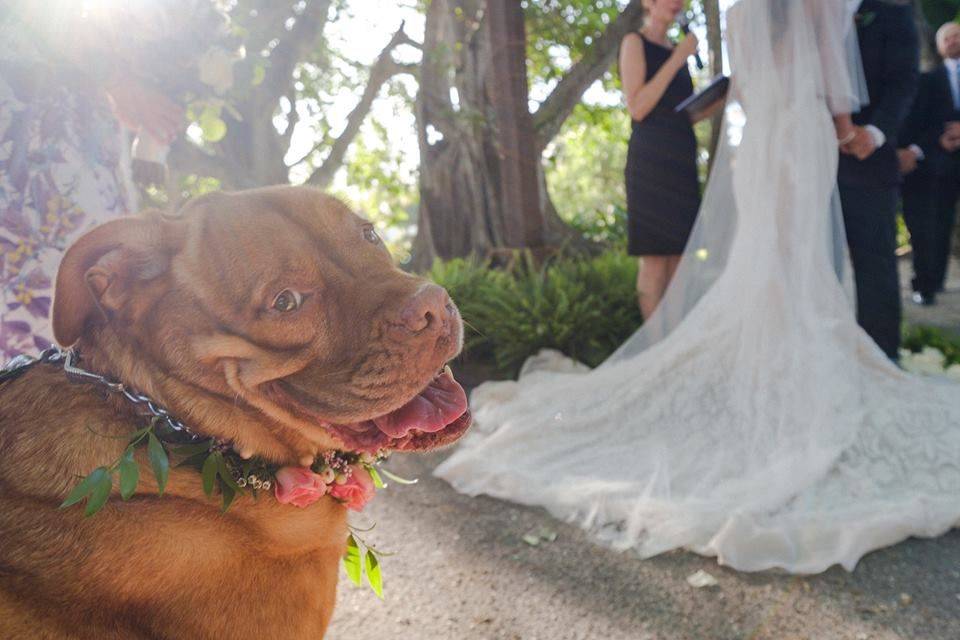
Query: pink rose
[299,486]
[356,491]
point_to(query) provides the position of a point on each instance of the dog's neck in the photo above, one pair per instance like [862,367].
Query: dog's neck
[202,411]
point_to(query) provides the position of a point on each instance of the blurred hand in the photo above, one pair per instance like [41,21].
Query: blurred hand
[843,126]
[862,146]
[950,139]
[907,160]
[686,47]
[142,108]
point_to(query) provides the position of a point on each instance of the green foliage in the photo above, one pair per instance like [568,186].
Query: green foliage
[218,468]
[938,12]
[559,32]
[584,171]
[96,486]
[351,561]
[371,567]
[584,307]
[158,461]
[362,559]
[915,338]
[381,187]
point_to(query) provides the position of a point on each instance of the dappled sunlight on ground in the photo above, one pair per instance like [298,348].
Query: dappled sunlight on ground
[463,570]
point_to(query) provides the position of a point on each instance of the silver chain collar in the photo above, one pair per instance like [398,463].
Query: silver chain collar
[70,359]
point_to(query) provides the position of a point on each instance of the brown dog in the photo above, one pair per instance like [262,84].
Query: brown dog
[272,319]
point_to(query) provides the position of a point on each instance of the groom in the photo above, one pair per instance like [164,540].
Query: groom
[869,173]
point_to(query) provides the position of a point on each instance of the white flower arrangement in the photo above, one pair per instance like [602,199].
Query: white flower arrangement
[928,362]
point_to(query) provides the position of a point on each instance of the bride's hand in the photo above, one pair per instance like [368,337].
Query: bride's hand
[846,132]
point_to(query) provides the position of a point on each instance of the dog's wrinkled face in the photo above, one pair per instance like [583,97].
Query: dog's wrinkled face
[284,300]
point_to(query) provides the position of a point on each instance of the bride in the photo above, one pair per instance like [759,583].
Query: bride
[750,418]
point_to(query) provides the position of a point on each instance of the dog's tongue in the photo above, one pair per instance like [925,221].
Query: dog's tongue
[437,406]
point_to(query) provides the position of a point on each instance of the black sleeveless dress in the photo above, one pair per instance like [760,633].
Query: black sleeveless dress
[663,190]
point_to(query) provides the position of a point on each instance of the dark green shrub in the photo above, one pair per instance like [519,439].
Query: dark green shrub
[916,338]
[584,307]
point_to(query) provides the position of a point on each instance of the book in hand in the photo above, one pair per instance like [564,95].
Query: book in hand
[699,103]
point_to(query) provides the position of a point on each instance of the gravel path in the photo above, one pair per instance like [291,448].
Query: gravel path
[462,571]
[946,313]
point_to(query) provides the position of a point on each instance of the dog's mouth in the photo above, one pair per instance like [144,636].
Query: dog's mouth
[436,416]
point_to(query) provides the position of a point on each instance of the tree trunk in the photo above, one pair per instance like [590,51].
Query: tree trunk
[477,146]
[458,212]
[715,46]
[513,135]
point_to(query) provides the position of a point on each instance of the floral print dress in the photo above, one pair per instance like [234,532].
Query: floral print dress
[64,168]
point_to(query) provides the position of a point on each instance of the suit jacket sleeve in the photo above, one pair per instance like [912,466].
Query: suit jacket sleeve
[900,75]
[915,127]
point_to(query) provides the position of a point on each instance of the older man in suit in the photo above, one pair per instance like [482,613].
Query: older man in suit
[869,175]
[930,159]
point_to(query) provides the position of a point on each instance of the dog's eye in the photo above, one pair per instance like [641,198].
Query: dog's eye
[287,300]
[370,235]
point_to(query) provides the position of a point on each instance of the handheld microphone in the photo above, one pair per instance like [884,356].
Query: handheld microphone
[684,23]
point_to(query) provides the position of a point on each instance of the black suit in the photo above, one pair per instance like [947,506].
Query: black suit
[930,193]
[869,189]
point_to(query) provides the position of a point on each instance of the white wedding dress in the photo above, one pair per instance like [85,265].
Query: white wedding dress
[751,418]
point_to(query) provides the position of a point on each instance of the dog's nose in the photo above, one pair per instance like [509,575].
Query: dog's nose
[428,306]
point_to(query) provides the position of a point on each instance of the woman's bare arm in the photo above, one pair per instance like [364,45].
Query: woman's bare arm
[642,96]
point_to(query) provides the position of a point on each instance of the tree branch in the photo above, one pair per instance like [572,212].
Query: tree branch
[567,94]
[295,47]
[292,119]
[188,158]
[383,68]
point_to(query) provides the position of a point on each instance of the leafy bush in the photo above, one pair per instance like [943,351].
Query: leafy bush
[916,338]
[584,307]
[608,228]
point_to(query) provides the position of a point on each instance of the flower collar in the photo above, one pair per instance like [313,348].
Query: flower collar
[350,478]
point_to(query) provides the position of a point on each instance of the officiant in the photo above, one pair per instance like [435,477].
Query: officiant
[663,190]
[929,157]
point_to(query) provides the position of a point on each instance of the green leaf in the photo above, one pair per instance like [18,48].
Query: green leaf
[351,561]
[129,474]
[372,566]
[209,472]
[86,485]
[196,460]
[259,72]
[225,476]
[228,495]
[98,497]
[212,126]
[137,435]
[158,462]
[377,480]
[190,450]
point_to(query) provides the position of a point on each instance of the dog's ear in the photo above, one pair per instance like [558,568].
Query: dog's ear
[102,269]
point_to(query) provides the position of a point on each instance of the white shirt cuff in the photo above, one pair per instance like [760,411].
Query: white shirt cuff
[917,152]
[878,138]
